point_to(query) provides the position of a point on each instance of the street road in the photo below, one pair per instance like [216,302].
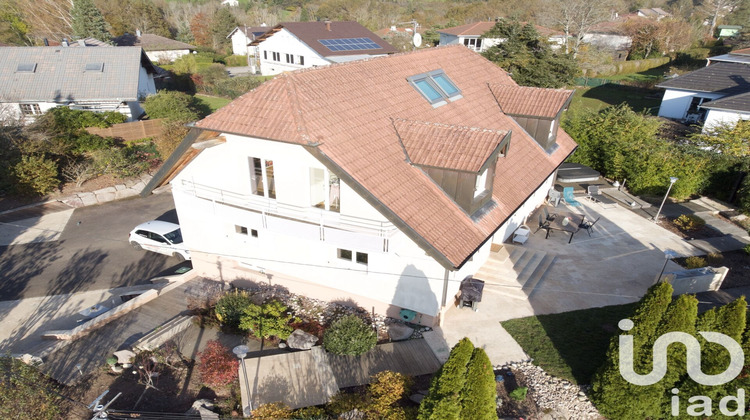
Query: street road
[92,252]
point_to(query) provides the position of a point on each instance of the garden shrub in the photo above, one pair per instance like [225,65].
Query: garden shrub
[35,175]
[480,392]
[217,366]
[519,394]
[443,399]
[172,105]
[343,402]
[62,119]
[235,60]
[230,308]
[350,336]
[747,249]
[235,86]
[86,142]
[25,392]
[270,319]
[386,389]
[272,411]
[695,262]
[310,413]
[714,258]
[689,222]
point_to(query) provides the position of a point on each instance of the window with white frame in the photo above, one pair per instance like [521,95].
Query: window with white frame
[276,56]
[30,109]
[290,59]
[262,180]
[301,60]
[325,190]
[349,255]
[481,184]
[243,230]
[473,43]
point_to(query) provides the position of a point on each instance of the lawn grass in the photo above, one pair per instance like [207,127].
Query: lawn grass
[653,75]
[570,345]
[600,97]
[213,102]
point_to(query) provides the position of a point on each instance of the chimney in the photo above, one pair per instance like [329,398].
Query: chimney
[81,43]
[138,33]
[46,42]
[65,42]
[328,25]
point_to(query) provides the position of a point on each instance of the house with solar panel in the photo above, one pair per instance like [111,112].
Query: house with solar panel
[472,37]
[36,79]
[715,95]
[291,46]
[384,182]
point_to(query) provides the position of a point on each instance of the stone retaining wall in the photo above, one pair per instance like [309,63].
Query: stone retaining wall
[129,188]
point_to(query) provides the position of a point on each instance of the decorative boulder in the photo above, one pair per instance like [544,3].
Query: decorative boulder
[399,332]
[301,340]
[124,356]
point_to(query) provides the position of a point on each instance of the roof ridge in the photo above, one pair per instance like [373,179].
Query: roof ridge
[444,125]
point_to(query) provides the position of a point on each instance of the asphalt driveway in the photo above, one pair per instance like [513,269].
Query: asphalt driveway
[90,253]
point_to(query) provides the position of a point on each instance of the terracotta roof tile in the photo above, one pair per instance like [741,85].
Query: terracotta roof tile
[447,146]
[530,101]
[347,112]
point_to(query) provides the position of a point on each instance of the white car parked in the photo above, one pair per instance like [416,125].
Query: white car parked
[162,237]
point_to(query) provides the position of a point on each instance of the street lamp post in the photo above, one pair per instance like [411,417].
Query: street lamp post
[672,180]
[241,351]
[668,254]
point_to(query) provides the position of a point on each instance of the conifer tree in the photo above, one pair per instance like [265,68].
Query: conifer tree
[87,21]
[609,389]
[479,394]
[443,400]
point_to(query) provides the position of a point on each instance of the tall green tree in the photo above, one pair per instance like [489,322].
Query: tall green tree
[222,23]
[528,57]
[13,28]
[87,21]
[479,393]
[444,399]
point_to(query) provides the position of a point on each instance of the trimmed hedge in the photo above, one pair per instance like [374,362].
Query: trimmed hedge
[231,307]
[621,67]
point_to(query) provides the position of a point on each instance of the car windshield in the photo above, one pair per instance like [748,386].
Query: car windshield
[175,236]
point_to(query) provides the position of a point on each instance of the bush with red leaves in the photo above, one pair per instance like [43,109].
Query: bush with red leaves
[217,365]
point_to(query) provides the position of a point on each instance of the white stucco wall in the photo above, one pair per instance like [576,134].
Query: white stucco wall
[132,110]
[608,41]
[519,217]
[718,117]
[167,55]
[398,272]
[239,43]
[284,42]
[675,103]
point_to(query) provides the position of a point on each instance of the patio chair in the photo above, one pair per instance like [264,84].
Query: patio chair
[547,215]
[595,195]
[589,226]
[568,197]
[543,224]
[521,235]
[554,197]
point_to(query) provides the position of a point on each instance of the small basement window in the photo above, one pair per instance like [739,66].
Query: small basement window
[436,87]
[362,258]
[26,68]
[94,67]
[243,230]
[344,254]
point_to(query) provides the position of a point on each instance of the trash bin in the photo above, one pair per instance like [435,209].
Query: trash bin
[471,293]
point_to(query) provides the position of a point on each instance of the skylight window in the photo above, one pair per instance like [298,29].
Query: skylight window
[26,68]
[436,87]
[350,44]
[94,67]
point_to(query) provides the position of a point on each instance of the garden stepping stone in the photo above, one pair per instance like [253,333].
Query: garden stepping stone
[399,332]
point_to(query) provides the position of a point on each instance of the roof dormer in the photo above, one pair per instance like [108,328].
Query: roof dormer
[537,110]
[460,160]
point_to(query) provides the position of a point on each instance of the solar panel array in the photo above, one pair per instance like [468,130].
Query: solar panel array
[350,44]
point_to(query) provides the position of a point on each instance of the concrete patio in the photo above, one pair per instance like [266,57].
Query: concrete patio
[616,265]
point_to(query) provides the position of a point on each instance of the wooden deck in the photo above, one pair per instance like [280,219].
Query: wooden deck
[306,378]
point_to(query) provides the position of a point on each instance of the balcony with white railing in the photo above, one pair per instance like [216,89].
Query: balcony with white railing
[272,207]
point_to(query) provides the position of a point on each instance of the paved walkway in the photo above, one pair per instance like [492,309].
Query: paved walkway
[305,378]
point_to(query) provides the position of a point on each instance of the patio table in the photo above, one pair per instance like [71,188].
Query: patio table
[566,222]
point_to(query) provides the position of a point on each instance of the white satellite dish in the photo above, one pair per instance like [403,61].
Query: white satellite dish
[417,40]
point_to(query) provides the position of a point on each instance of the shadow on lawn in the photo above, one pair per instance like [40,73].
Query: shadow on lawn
[637,98]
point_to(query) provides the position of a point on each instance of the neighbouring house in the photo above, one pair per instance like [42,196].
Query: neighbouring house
[158,48]
[470,36]
[230,3]
[713,95]
[242,36]
[400,37]
[610,36]
[292,46]
[653,13]
[36,79]
[385,181]
[726,31]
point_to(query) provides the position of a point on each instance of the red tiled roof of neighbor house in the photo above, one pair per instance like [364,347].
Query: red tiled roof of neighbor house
[530,101]
[480,28]
[345,113]
[312,32]
[744,51]
[447,146]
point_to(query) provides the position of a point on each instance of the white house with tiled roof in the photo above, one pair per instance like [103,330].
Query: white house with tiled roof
[382,181]
[291,46]
[36,79]
[471,36]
